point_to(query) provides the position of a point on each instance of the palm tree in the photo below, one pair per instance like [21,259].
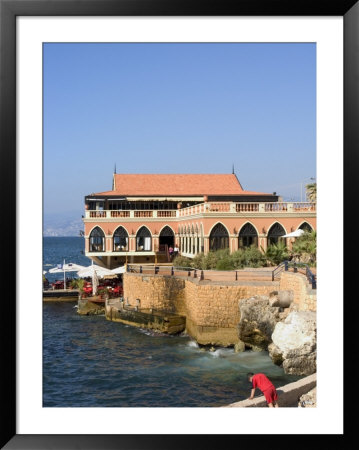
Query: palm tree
[305,247]
[276,253]
[311,192]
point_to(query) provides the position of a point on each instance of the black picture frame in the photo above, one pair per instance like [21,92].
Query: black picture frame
[9,10]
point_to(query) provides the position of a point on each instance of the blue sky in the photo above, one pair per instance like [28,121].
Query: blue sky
[177,108]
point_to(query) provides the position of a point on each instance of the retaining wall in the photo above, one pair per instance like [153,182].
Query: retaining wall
[211,308]
[304,297]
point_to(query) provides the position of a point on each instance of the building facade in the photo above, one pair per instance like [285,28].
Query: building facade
[144,214]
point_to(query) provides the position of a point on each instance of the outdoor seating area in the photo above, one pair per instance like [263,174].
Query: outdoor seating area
[89,280]
[59,284]
[113,288]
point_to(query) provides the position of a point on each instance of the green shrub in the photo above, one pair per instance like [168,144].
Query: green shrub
[198,261]
[276,253]
[182,261]
[253,257]
[77,283]
[210,261]
[225,263]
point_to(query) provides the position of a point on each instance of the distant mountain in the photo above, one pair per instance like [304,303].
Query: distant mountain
[66,224]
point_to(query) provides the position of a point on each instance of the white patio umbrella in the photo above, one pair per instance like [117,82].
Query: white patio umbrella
[63,268]
[95,272]
[118,270]
[295,233]
[89,271]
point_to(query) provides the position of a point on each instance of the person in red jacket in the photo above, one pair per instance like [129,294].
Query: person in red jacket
[260,381]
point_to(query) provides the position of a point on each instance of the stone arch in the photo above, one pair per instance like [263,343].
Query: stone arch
[167,236]
[305,226]
[217,223]
[96,226]
[218,237]
[247,236]
[143,240]
[120,239]
[275,233]
[97,239]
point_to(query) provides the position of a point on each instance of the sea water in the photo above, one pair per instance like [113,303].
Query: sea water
[91,362]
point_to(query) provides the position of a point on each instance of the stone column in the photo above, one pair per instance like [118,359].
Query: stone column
[108,244]
[206,245]
[289,243]
[155,243]
[132,243]
[262,241]
[234,243]
[87,244]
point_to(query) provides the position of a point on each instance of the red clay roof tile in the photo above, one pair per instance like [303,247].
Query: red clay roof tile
[177,185]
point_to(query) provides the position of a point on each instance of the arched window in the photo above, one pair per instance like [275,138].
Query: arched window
[120,240]
[97,240]
[247,236]
[275,233]
[167,236]
[143,240]
[306,227]
[219,238]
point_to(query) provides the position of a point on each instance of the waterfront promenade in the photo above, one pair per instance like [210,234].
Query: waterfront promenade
[248,274]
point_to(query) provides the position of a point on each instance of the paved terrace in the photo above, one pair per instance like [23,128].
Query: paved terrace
[260,274]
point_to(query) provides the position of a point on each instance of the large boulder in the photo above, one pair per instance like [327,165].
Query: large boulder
[308,400]
[257,322]
[282,298]
[294,343]
[87,308]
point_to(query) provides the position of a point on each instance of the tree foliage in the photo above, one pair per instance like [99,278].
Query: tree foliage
[304,248]
[276,253]
[223,260]
[311,192]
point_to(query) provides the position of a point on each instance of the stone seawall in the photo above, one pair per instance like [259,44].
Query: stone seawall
[211,308]
[304,297]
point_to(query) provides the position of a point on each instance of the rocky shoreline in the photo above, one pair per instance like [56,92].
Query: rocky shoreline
[274,324]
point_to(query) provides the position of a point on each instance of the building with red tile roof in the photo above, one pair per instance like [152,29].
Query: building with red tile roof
[145,214]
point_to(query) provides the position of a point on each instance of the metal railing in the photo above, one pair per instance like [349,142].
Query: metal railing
[201,274]
[286,265]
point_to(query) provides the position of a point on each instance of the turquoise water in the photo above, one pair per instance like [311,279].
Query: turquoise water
[91,362]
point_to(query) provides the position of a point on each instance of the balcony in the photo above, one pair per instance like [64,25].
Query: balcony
[226,208]
[223,208]
[133,214]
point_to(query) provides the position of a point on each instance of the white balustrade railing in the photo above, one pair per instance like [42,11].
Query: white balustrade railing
[208,208]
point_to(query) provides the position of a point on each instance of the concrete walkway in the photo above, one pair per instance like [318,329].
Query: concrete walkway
[288,395]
